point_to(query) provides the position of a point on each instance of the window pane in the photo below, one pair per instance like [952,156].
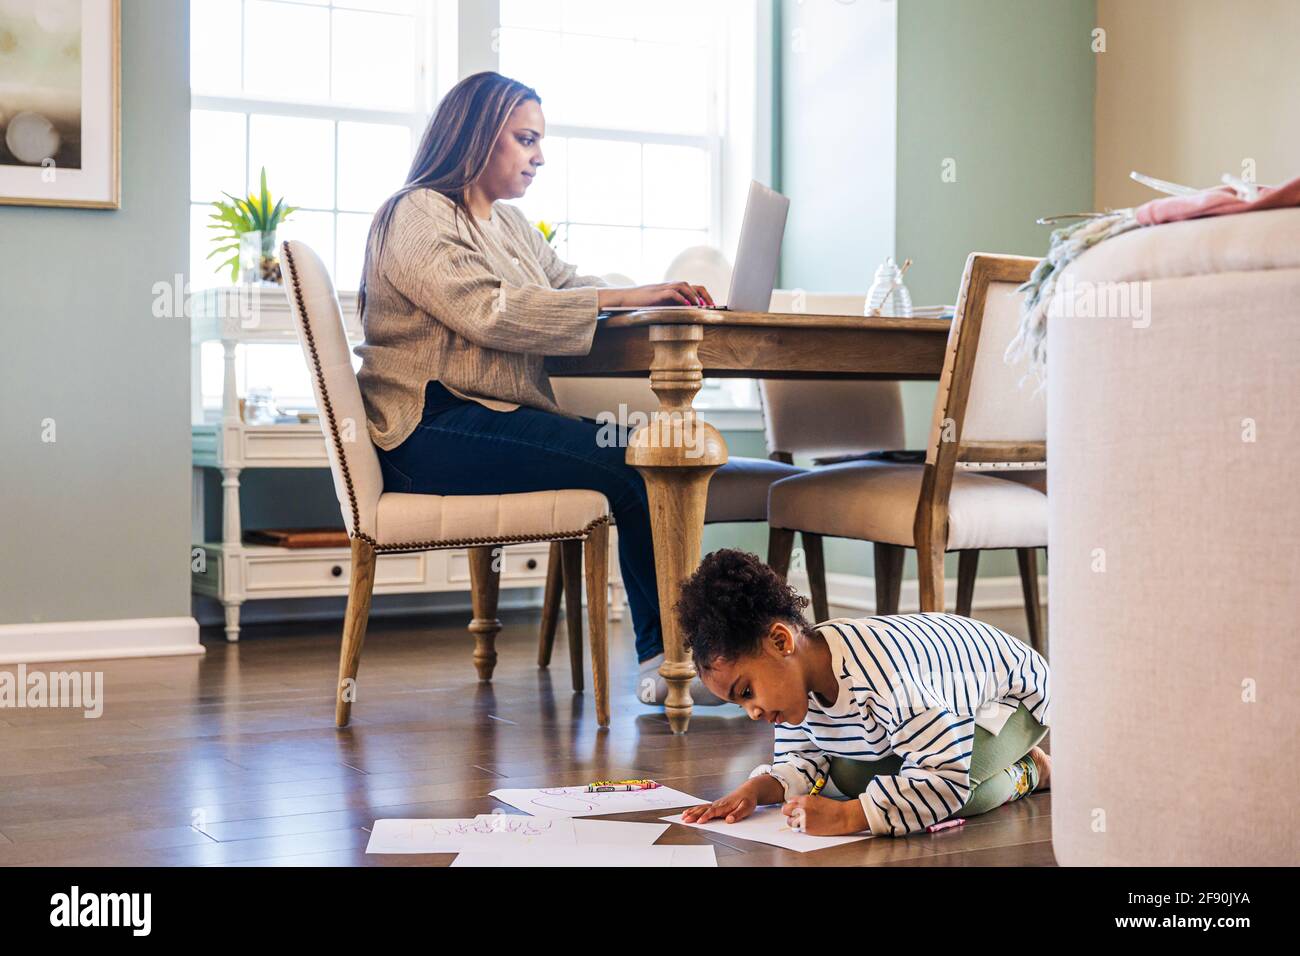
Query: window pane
[388,6]
[537,14]
[374,60]
[663,245]
[676,186]
[214,46]
[547,197]
[211,368]
[668,88]
[600,81]
[282,369]
[536,58]
[678,21]
[298,155]
[286,50]
[373,162]
[606,176]
[314,228]
[354,229]
[604,19]
[598,86]
[217,159]
[596,250]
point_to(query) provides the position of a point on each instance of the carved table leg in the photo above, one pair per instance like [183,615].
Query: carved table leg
[677,454]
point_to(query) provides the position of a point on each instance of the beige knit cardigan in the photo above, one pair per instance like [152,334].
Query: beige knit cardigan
[477,314]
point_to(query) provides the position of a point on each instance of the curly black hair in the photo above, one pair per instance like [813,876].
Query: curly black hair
[728,605]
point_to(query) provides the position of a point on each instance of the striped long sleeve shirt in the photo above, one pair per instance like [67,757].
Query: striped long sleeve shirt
[914,685]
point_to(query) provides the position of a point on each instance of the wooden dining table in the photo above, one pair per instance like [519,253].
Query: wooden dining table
[677,451]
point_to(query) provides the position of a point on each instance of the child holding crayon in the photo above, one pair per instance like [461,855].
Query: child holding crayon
[921,717]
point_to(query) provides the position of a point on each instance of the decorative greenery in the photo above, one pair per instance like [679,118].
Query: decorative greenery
[238,216]
[546,229]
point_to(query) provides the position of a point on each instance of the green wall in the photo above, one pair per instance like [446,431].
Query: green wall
[96,523]
[1003,89]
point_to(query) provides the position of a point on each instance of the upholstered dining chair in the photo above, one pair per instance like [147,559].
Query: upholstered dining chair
[380,522]
[826,421]
[986,427]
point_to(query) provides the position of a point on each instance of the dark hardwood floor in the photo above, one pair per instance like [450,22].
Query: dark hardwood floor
[233,757]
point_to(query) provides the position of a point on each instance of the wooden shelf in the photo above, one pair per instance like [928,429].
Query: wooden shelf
[256,313]
[258,446]
[263,571]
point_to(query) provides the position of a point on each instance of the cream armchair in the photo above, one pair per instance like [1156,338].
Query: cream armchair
[1175,535]
[380,522]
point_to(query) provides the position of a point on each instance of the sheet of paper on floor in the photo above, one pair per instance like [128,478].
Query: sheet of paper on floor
[766,825]
[594,856]
[574,802]
[492,829]
[617,832]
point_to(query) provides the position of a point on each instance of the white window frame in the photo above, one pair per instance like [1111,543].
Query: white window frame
[709,141]
[414,119]
[451,46]
[727,92]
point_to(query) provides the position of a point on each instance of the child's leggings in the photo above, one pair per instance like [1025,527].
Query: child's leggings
[993,777]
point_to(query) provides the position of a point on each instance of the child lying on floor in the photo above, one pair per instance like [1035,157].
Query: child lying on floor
[921,716]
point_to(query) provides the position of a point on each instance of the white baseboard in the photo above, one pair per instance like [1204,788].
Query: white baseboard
[858,592]
[99,640]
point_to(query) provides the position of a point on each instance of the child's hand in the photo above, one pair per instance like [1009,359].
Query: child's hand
[736,805]
[822,816]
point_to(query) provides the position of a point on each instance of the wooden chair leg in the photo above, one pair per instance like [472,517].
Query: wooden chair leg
[968,563]
[597,561]
[929,573]
[572,561]
[360,588]
[889,576]
[780,545]
[550,607]
[812,547]
[1027,558]
[485,586]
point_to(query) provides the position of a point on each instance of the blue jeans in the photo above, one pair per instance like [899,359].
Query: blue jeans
[468,449]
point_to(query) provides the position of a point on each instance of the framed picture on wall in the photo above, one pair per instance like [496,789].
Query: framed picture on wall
[60,103]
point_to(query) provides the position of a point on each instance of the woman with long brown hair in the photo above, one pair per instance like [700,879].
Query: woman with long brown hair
[461,301]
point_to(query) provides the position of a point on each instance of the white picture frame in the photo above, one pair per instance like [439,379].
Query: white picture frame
[60,138]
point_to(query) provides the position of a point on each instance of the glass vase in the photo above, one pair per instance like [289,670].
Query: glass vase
[258,263]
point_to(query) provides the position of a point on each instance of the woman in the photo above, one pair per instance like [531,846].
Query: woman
[461,301]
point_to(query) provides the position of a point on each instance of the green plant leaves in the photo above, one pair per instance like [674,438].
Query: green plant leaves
[237,216]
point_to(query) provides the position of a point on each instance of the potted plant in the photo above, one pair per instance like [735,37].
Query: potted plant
[246,229]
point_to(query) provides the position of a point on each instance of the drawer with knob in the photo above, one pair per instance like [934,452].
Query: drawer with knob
[327,570]
[518,563]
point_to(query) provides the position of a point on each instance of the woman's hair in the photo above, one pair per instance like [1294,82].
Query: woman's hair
[728,605]
[453,152]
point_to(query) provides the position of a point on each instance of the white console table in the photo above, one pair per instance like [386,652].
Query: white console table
[234,572]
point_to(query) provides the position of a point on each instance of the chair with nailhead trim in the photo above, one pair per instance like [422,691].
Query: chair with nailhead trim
[380,522]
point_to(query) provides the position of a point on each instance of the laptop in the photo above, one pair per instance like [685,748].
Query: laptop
[757,256]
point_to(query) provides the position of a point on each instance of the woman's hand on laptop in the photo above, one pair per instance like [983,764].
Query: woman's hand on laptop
[648,296]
